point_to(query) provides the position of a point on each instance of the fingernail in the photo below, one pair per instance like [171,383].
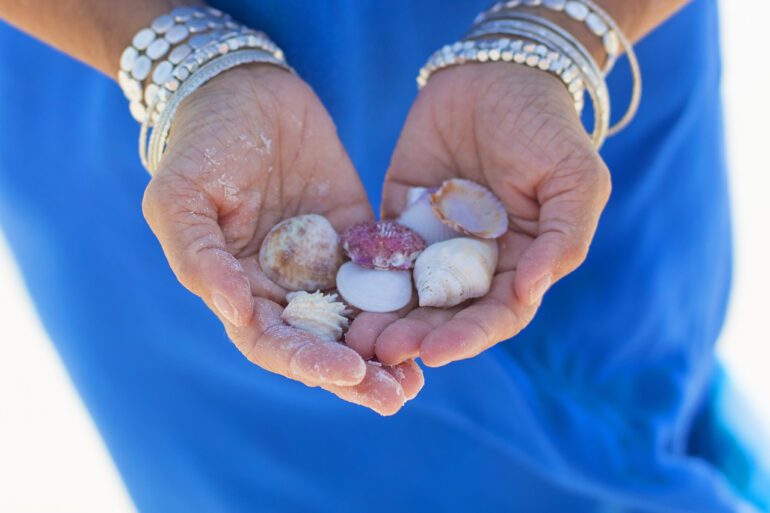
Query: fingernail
[225,308]
[539,289]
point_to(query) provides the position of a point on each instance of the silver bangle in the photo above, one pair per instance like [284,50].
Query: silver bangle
[153,43]
[151,157]
[590,74]
[516,51]
[164,54]
[600,24]
[578,10]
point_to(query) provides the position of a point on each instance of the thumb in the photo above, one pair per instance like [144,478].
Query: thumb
[571,201]
[185,220]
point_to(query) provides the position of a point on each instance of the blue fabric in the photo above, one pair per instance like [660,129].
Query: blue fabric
[605,403]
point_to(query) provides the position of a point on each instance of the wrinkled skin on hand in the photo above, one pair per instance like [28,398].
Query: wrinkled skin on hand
[514,130]
[252,147]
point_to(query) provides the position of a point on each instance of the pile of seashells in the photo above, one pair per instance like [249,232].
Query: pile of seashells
[444,239]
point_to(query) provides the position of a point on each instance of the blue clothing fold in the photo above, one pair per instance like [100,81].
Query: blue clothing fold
[605,403]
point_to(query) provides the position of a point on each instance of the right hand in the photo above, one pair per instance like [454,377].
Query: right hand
[250,148]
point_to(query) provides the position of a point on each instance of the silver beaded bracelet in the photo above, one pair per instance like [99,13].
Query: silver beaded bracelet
[598,23]
[164,54]
[505,21]
[173,57]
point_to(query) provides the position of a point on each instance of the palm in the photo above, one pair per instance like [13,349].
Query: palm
[249,149]
[515,131]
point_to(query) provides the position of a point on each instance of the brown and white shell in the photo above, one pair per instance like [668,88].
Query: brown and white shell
[317,313]
[302,253]
[470,208]
[453,271]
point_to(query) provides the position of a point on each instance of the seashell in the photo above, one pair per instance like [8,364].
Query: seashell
[301,253]
[374,290]
[384,245]
[453,271]
[317,313]
[470,208]
[419,216]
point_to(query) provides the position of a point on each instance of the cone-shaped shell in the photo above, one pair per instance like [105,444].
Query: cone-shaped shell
[317,313]
[470,208]
[302,253]
[420,217]
[453,271]
[385,245]
[373,290]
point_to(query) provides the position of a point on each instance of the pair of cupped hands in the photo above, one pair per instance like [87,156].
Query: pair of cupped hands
[255,146]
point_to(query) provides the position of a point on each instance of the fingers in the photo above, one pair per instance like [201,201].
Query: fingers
[571,202]
[267,342]
[378,390]
[185,222]
[485,322]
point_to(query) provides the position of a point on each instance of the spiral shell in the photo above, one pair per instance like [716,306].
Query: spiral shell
[317,313]
[453,271]
[301,253]
[373,290]
[470,208]
[382,245]
[420,217]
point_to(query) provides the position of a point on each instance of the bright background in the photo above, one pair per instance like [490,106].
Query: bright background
[52,459]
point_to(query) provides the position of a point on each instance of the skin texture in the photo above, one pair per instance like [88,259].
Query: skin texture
[253,147]
[515,131]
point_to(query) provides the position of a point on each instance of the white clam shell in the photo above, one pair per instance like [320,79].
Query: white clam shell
[317,313]
[374,290]
[302,253]
[453,271]
[420,217]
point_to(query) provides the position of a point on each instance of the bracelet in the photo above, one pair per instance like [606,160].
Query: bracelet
[523,52]
[600,24]
[159,55]
[595,19]
[521,28]
[151,157]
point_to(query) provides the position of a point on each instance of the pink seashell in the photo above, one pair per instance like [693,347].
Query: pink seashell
[470,208]
[302,253]
[384,245]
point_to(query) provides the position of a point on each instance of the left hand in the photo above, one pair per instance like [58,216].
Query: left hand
[514,130]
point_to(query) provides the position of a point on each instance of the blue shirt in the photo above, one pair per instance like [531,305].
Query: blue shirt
[604,403]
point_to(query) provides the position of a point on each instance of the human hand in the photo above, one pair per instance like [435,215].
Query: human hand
[514,130]
[252,147]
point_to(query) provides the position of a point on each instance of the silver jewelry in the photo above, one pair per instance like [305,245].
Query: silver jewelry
[600,24]
[571,49]
[523,52]
[156,52]
[151,156]
[579,10]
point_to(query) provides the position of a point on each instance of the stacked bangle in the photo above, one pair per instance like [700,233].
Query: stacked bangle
[175,55]
[508,20]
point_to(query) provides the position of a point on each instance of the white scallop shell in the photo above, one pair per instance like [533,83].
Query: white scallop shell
[317,313]
[470,208]
[374,290]
[301,253]
[453,271]
[420,217]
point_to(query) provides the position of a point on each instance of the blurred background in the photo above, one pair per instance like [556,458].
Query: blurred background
[52,459]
